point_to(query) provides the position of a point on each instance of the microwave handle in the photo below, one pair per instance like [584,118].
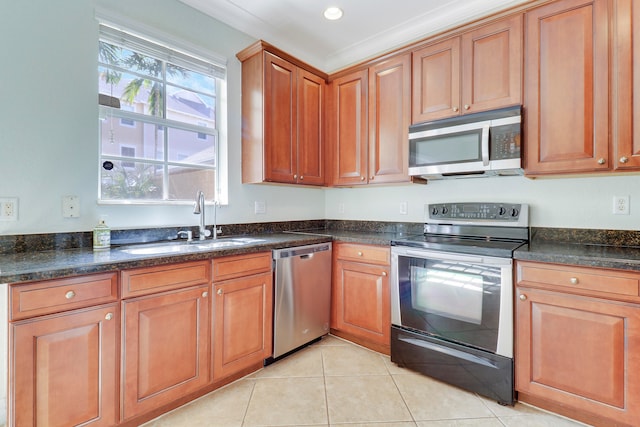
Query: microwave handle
[485,145]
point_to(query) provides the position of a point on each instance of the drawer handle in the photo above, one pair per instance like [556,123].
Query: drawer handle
[360,253]
[109,316]
[70,295]
[219,292]
[523,297]
[574,280]
[205,294]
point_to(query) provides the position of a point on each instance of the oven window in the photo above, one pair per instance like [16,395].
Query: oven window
[433,291]
[454,300]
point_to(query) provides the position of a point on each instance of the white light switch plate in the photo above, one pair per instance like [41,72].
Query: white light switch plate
[260,207]
[70,206]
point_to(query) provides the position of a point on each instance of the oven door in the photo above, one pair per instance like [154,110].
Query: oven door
[460,298]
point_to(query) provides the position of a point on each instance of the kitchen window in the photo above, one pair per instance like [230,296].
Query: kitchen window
[160,121]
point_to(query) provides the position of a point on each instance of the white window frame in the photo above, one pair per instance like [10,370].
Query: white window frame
[175,51]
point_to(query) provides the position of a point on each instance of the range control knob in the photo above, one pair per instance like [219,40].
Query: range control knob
[514,212]
[434,211]
[502,211]
[444,210]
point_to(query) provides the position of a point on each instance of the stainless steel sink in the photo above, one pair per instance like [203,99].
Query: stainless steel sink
[186,247]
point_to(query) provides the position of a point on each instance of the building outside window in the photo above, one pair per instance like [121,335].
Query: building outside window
[159,121]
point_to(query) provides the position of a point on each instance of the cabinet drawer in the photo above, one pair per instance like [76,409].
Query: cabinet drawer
[53,296]
[363,253]
[241,265]
[587,280]
[142,281]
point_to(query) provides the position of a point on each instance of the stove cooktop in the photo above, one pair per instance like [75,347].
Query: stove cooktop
[463,244]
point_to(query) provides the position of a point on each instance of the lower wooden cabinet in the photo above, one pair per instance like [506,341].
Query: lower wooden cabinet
[64,369]
[243,313]
[577,354]
[360,306]
[166,352]
[242,324]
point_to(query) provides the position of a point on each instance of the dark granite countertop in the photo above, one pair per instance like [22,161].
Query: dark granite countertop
[43,265]
[581,254]
[51,264]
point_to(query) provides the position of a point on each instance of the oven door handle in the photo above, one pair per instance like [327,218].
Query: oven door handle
[444,256]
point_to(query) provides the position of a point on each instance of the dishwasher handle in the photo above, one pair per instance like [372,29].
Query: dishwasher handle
[302,251]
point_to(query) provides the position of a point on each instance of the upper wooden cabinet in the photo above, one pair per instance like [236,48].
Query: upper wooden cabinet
[566,90]
[479,70]
[626,85]
[282,125]
[369,123]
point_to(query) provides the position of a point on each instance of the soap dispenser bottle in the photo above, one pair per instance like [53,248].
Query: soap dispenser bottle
[101,235]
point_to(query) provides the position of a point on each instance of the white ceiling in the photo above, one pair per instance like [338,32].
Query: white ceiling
[367,29]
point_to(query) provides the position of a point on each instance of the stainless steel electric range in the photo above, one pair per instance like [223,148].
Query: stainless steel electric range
[452,296]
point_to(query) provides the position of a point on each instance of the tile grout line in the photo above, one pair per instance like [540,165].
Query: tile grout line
[246,409]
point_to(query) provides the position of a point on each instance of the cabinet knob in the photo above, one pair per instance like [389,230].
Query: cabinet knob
[467,106]
[301,177]
[384,274]
[602,161]
[359,253]
[624,159]
[455,109]
[205,294]
[362,178]
[523,297]
[371,179]
[70,295]
[295,176]
[109,316]
[574,280]
[219,292]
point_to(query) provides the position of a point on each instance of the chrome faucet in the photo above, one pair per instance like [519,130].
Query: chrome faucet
[198,209]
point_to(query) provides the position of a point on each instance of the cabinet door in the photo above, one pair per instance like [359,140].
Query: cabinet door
[579,352]
[626,80]
[310,159]
[280,125]
[243,310]
[65,369]
[492,66]
[350,140]
[166,348]
[566,89]
[436,81]
[389,119]
[361,299]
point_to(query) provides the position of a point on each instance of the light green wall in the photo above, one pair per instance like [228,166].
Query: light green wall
[49,126]
[48,137]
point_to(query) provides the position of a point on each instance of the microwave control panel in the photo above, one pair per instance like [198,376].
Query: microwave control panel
[505,142]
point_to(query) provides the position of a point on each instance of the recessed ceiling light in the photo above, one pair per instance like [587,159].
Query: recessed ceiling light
[333,13]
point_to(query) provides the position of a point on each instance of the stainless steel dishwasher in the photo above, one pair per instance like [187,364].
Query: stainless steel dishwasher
[302,296]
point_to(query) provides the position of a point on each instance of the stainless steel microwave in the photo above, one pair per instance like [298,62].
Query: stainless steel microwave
[473,145]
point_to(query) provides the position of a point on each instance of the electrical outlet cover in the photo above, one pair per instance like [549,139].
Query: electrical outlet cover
[621,205]
[9,209]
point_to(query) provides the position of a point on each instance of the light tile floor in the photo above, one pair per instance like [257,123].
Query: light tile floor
[336,383]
